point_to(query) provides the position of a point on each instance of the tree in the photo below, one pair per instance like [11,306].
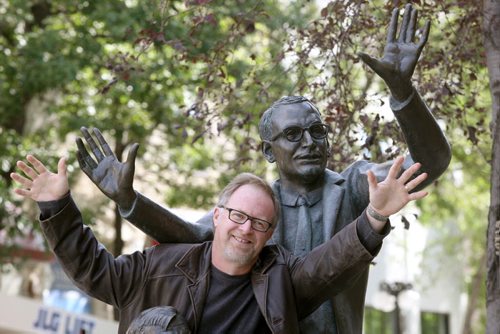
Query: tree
[492,46]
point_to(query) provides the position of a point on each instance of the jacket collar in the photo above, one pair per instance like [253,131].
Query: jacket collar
[195,264]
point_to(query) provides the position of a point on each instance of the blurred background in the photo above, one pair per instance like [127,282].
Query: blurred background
[188,80]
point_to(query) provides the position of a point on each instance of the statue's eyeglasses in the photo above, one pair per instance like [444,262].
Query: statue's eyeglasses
[295,133]
[241,218]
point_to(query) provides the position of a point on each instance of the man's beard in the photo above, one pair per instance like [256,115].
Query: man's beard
[238,256]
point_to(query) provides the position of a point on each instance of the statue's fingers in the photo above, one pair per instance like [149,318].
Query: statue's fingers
[132,154]
[425,36]
[405,23]
[84,155]
[104,144]
[410,32]
[371,62]
[393,26]
[93,146]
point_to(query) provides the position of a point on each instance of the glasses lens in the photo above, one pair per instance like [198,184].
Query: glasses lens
[293,133]
[318,131]
[260,225]
[237,217]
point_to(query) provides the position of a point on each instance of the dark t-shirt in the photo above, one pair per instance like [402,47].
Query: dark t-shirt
[231,306]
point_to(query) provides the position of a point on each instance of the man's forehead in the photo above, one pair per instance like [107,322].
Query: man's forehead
[248,198]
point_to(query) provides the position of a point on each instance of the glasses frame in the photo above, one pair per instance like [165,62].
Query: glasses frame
[248,217]
[303,129]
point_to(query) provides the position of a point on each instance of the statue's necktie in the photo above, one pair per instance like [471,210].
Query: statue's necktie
[303,240]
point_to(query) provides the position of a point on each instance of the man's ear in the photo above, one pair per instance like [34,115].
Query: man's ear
[215,217]
[268,152]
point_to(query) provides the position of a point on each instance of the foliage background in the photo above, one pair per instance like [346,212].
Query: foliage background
[189,80]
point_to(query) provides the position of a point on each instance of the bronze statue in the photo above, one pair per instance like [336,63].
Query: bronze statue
[316,202]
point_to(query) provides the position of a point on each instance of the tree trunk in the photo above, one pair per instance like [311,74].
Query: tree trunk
[477,283]
[491,29]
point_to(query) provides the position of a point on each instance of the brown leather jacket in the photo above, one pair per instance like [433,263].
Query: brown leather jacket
[287,288]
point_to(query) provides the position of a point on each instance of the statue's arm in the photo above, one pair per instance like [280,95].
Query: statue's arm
[425,139]
[426,142]
[164,226]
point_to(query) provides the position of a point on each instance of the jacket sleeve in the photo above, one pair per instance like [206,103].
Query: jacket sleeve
[87,262]
[330,267]
[164,226]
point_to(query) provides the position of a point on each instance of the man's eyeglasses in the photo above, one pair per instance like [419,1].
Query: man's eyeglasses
[295,133]
[241,218]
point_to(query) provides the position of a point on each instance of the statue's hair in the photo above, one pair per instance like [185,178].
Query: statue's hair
[249,179]
[265,121]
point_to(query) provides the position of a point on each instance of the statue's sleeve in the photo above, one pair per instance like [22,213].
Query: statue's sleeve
[425,139]
[166,227]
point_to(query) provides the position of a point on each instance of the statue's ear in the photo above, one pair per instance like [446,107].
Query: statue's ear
[268,152]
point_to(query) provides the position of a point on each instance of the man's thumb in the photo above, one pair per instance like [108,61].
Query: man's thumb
[61,166]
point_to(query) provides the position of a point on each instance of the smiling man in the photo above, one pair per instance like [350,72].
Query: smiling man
[235,284]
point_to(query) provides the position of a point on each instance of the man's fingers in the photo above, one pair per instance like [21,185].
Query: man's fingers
[39,167]
[26,183]
[104,144]
[22,192]
[61,167]
[395,168]
[372,180]
[405,23]
[27,170]
[415,182]
[417,195]
[93,146]
[393,26]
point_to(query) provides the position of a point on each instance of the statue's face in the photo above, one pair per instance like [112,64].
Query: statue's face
[304,161]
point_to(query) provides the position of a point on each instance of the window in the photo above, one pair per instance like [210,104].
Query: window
[437,323]
[378,322]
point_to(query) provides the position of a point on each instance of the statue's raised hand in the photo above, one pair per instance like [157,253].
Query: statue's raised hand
[400,54]
[112,177]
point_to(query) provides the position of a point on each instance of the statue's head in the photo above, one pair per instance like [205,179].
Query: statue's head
[294,137]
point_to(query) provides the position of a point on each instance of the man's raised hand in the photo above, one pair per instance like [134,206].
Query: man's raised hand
[40,184]
[392,194]
[112,177]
